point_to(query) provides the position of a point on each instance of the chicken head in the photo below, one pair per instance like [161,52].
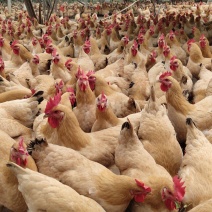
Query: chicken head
[54,115]
[18,153]
[165,82]
[101,102]
[173,199]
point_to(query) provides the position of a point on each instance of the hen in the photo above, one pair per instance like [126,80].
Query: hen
[55,130]
[15,152]
[105,117]
[200,87]
[158,136]
[179,108]
[166,194]
[121,104]
[44,189]
[112,192]
[85,98]
[195,58]
[195,161]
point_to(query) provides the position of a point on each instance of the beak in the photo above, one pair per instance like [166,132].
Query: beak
[46,116]
[102,105]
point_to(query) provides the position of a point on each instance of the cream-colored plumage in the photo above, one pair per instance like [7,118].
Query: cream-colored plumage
[140,164]
[203,207]
[112,192]
[196,169]
[200,87]
[158,136]
[43,193]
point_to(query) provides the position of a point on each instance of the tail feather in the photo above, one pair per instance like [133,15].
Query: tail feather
[32,145]
[38,96]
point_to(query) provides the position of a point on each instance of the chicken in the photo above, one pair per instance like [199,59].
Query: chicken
[176,47]
[15,61]
[181,74]
[197,181]
[35,46]
[16,152]
[166,194]
[140,90]
[100,61]
[195,58]
[204,46]
[114,39]
[160,137]
[121,104]
[112,70]
[84,60]
[134,55]
[112,192]
[18,115]
[60,117]
[27,71]
[105,117]
[179,108]
[58,69]
[119,52]
[5,49]
[200,87]
[86,108]
[34,185]
[42,83]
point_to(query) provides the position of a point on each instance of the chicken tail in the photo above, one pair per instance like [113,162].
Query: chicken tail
[34,144]
[38,96]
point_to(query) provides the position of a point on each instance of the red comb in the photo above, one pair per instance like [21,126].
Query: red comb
[154,54]
[45,36]
[202,37]
[173,58]
[103,96]
[59,86]
[165,74]
[162,36]
[54,53]
[179,188]
[53,102]
[70,90]
[87,43]
[190,41]
[48,42]
[79,72]
[68,61]
[90,73]
[14,43]
[140,197]
[21,145]
[36,56]
[135,44]
[171,32]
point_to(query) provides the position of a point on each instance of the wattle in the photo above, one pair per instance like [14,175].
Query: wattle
[15,51]
[170,204]
[54,123]
[139,198]
[87,50]
[164,87]
[173,68]
[134,52]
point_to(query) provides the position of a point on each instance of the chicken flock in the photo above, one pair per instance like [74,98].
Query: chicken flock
[110,114]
